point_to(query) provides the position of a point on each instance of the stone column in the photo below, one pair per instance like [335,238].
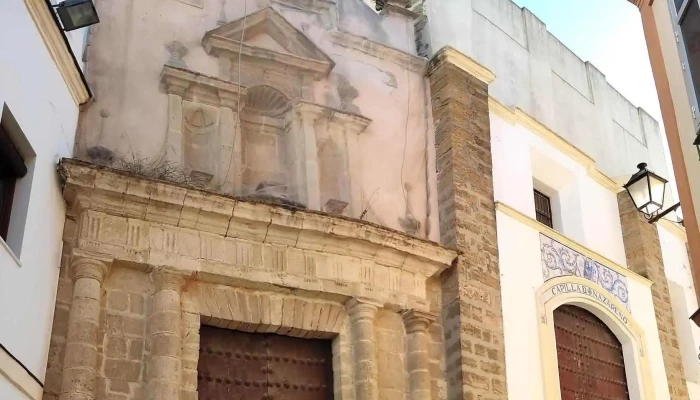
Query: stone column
[306,115]
[417,323]
[80,361]
[164,367]
[364,348]
[229,171]
[643,250]
[471,288]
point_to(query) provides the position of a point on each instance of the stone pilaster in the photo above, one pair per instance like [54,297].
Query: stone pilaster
[191,321]
[362,321]
[471,289]
[643,250]
[80,363]
[417,323]
[165,364]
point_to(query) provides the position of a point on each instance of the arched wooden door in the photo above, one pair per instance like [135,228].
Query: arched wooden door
[591,363]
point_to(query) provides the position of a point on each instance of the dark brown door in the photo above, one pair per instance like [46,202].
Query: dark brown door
[591,364]
[250,366]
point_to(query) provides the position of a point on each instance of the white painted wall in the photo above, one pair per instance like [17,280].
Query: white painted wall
[34,91]
[521,277]
[584,210]
[684,302]
[537,73]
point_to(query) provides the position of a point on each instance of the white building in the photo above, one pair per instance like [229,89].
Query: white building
[41,88]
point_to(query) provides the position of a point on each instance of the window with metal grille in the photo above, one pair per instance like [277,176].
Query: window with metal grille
[543,208]
[11,168]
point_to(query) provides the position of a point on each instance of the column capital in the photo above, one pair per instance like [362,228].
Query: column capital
[164,280]
[90,266]
[360,309]
[451,56]
[416,320]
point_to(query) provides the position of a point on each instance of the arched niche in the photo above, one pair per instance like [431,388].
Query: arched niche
[585,294]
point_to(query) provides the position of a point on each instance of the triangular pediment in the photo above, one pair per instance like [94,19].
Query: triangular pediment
[268,35]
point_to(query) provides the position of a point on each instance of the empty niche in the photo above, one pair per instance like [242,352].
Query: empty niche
[200,131]
[264,160]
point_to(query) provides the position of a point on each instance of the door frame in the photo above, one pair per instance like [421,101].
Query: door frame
[595,299]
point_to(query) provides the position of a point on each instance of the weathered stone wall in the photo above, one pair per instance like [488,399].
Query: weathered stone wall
[471,297]
[353,64]
[643,250]
[128,316]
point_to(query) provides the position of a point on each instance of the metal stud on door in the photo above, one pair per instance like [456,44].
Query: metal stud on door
[241,366]
[591,363]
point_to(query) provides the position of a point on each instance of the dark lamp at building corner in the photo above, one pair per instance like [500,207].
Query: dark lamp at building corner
[696,143]
[646,190]
[76,14]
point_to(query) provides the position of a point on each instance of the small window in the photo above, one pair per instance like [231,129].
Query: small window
[12,167]
[543,209]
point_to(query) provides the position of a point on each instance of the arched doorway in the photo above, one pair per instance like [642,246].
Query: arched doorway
[590,357]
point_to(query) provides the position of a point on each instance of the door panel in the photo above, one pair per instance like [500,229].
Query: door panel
[251,366]
[591,363]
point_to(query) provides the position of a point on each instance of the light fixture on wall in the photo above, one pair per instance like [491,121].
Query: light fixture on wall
[379,4]
[647,190]
[696,143]
[76,14]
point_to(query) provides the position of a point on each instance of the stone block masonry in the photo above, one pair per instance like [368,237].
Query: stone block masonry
[643,250]
[471,299]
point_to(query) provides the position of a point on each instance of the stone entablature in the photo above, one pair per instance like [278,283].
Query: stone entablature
[147,262]
[219,239]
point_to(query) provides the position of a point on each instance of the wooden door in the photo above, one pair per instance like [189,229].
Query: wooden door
[250,366]
[591,363]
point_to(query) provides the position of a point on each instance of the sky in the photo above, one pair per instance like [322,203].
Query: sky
[609,34]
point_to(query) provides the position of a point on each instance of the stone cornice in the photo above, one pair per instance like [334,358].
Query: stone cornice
[212,90]
[357,122]
[90,187]
[58,49]
[378,50]
[230,48]
[449,55]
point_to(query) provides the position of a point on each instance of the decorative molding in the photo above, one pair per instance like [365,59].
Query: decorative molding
[378,50]
[560,260]
[150,224]
[357,122]
[13,371]
[300,52]
[210,90]
[392,8]
[544,229]
[467,64]
[58,49]
[415,320]
[522,118]
[674,229]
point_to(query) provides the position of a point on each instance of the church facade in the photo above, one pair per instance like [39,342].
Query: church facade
[310,199]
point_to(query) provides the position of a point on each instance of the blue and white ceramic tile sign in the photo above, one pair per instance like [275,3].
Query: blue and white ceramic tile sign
[561,260]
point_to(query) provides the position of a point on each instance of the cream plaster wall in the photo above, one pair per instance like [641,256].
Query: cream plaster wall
[584,210]
[33,90]
[683,300]
[128,49]
[521,277]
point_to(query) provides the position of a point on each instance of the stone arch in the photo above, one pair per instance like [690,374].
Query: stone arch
[264,140]
[572,290]
[260,311]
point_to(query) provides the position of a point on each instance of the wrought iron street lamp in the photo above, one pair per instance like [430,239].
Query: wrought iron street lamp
[647,190]
[76,14]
